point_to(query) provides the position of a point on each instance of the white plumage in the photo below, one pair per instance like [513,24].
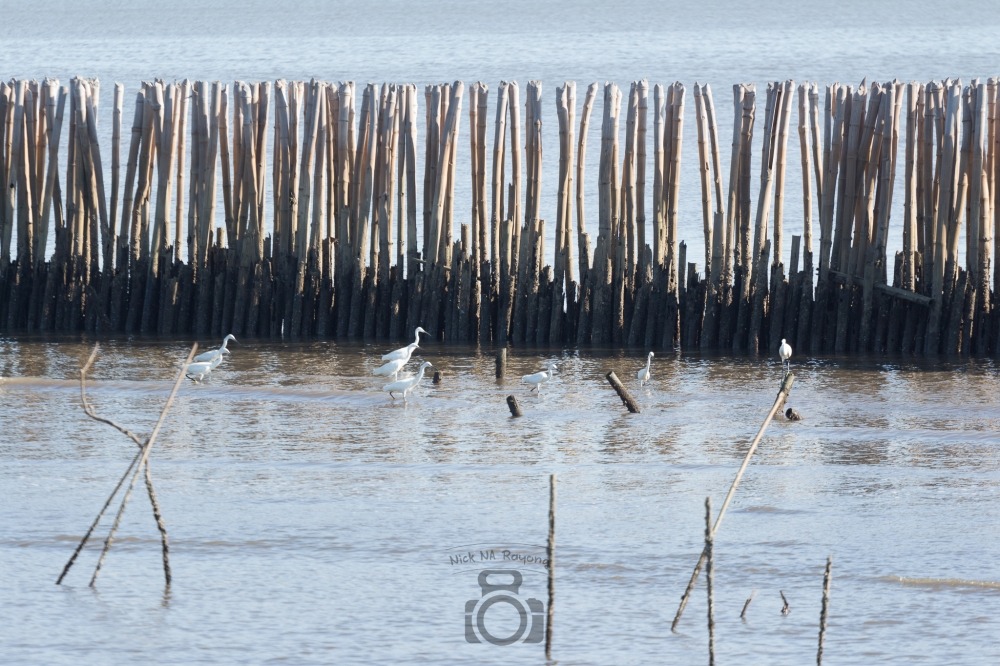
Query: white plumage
[404,352]
[391,368]
[215,353]
[785,352]
[404,386]
[199,370]
[539,378]
[643,375]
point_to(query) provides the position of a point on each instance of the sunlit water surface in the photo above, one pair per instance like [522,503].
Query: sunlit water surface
[314,519]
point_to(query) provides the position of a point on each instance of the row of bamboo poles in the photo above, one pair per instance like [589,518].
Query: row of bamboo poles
[348,246]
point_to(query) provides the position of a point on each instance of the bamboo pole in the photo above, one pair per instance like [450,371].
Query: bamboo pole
[181,114]
[497,190]
[141,464]
[779,401]
[54,127]
[88,408]
[732,248]
[910,195]
[719,260]
[701,119]
[780,157]
[642,88]
[581,163]
[677,117]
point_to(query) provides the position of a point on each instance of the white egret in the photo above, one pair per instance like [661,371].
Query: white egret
[216,353]
[199,370]
[538,378]
[392,367]
[785,352]
[643,374]
[404,386]
[404,352]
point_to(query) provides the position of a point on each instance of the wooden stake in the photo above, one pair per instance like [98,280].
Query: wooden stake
[825,609]
[550,556]
[709,539]
[779,401]
[622,392]
[514,406]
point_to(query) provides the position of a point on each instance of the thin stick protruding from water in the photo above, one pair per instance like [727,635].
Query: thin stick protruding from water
[143,458]
[550,556]
[779,401]
[824,612]
[89,410]
[746,605]
[709,539]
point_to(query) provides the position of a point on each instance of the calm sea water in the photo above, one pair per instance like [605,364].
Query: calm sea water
[313,520]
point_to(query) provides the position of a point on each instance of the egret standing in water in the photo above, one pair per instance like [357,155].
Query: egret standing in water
[404,352]
[785,352]
[404,386]
[394,366]
[215,353]
[537,379]
[643,374]
[198,371]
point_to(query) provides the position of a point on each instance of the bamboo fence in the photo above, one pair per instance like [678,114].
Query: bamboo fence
[185,242]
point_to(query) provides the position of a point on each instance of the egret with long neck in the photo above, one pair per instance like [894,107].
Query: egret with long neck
[404,386]
[216,353]
[537,379]
[785,353]
[394,366]
[404,352]
[643,375]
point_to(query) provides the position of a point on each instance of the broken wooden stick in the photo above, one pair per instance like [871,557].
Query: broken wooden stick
[779,401]
[142,459]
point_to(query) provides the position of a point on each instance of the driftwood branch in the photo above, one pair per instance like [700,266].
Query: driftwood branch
[142,458]
[779,401]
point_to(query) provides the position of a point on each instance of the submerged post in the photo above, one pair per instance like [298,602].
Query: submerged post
[501,363]
[779,401]
[623,393]
[515,408]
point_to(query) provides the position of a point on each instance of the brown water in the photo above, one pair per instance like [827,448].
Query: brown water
[313,519]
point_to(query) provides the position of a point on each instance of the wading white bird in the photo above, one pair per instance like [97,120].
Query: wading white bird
[199,370]
[643,374]
[216,353]
[404,386]
[394,366]
[785,352]
[538,378]
[404,352]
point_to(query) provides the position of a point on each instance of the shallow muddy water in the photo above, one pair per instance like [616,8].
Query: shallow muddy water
[312,519]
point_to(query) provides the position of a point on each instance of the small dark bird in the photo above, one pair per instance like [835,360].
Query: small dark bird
[792,415]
